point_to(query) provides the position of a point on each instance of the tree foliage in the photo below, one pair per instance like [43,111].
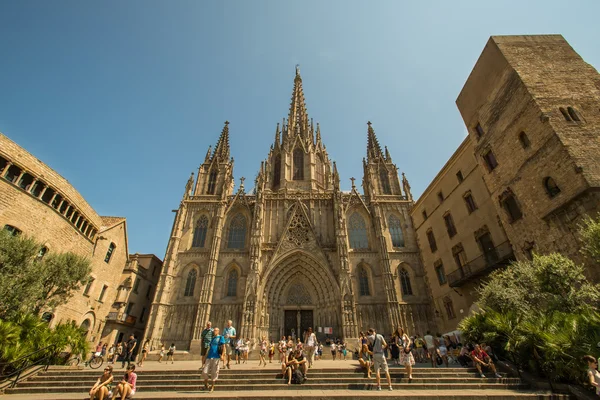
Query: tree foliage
[542,314]
[29,283]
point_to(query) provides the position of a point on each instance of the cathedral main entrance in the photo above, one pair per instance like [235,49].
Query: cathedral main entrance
[296,322]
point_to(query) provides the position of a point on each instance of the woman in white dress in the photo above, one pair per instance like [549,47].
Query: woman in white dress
[406,356]
[592,373]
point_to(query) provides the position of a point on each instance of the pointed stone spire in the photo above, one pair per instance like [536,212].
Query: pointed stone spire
[318,140]
[373,147]
[222,147]
[208,153]
[189,186]
[277,136]
[336,178]
[406,187]
[388,158]
[298,118]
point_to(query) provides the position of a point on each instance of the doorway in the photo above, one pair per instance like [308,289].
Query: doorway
[293,322]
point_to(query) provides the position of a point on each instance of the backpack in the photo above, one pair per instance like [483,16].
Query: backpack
[297,377]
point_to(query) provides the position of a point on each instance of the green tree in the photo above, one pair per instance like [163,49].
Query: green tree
[29,283]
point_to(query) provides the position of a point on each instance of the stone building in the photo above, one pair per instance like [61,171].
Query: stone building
[129,313]
[296,251]
[460,236]
[528,168]
[531,108]
[37,201]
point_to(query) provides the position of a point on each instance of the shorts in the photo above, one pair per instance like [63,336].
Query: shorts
[228,349]
[380,362]
[203,351]
[211,369]
[263,353]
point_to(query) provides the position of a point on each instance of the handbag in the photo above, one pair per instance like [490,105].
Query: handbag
[439,360]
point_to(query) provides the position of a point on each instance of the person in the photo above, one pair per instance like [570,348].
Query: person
[230,334]
[239,350]
[364,358]
[310,341]
[592,373]
[145,350]
[395,342]
[246,350]
[300,363]
[111,354]
[489,351]
[420,352]
[126,388]
[102,387]
[333,349]
[118,352]
[128,350]
[379,361]
[282,350]
[442,350]
[406,356]
[162,352]
[103,351]
[216,352]
[320,351]
[429,342]
[263,352]
[287,367]
[463,356]
[171,353]
[480,358]
[271,350]
[206,337]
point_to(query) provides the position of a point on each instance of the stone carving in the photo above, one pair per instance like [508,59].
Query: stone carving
[298,295]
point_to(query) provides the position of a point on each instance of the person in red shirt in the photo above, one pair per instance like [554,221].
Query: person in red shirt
[481,358]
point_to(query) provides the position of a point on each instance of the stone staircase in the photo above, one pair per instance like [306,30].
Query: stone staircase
[322,383]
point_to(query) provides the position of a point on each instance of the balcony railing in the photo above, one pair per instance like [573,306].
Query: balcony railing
[500,256]
[121,317]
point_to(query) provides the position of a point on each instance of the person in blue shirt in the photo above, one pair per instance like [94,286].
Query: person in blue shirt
[230,335]
[211,365]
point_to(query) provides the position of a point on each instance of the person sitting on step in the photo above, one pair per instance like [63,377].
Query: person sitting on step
[101,388]
[364,358]
[481,358]
[126,388]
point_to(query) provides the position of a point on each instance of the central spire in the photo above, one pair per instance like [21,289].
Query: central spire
[298,118]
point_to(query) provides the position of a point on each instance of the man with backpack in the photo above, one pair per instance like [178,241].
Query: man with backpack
[379,361]
[216,353]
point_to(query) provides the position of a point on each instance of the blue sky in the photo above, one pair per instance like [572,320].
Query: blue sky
[123,98]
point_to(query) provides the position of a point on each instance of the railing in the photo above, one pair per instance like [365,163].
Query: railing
[121,317]
[490,260]
[10,372]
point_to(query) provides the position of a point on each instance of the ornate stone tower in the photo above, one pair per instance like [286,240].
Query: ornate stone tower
[296,252]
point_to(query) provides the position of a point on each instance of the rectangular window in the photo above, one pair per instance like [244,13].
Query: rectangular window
[460,258]
[129,308]
[88,287]
[450,225]
[509,203]
[142,314]
[479,131]
[102,292]
[149,292]
[440,272]
[431,239]
[136,285]
[490,160]
[471,206]
[440,196]
[460,177]
[449,308]
[13,230]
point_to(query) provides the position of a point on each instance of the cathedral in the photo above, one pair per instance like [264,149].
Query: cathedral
[295,251]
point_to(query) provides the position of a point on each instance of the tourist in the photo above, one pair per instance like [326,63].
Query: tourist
[129,348]
[171,353]
[379,361]
[230,334]
[289,348]
[111,353]
[246,350]
[162,352]
[481,359]
[344,349]
[419,348]
[333,349]
[489,351]
[364,358]
[463,356]
[299,344]
[442,350]
[216,352]
[145,350]
[263,351]
[310,340]
[287,367]
[320,351]
[118,353]
[395,343]
[592,373]
[406,356]
[282,350]
[430,343]
[206,337]
[103,351]
[271,350]
[126,388]
[239,350]
[102,387]
[301,363]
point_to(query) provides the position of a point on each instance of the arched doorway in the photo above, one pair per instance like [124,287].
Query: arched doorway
[301,292]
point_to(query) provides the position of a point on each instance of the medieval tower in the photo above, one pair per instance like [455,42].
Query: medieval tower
[296,251]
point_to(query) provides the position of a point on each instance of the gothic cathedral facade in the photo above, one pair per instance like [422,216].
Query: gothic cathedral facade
[296,251]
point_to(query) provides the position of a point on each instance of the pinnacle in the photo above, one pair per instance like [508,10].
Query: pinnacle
[222,147]
[373,147]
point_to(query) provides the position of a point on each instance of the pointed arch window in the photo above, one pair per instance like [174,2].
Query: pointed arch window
[319,167]
[363,282]
[232,283]
[190,283]
[200,232]
[277,171]
[396,231]
[357,232]
[551,187]
[237,232]
[298,164]
[385,181]
[405,283]
[212,182]
[109,252]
